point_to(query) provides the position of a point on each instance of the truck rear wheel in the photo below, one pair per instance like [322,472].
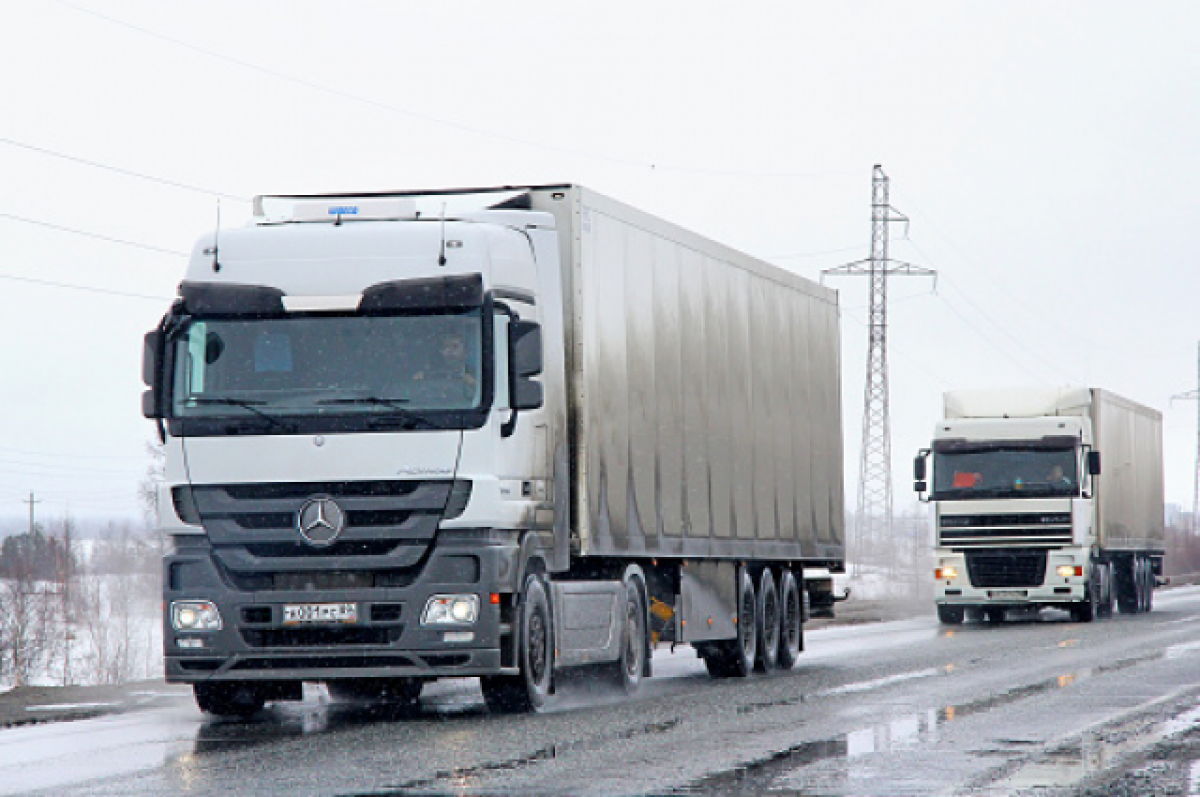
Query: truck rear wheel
[735,658]
[951,615]
[229,699]
[768,623]
[791,636]
[1109,593]
[528,690]
[626,672]
[1129,598]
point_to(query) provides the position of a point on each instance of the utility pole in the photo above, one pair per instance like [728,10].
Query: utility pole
[873,522]
[1194,395]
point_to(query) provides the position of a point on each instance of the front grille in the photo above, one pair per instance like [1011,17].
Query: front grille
[1006,568]
[321,663]
[319,637]
[1032,529]
[389,526]
[320,580]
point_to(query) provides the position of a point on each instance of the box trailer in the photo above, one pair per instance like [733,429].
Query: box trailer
[1026,516]
[487,432]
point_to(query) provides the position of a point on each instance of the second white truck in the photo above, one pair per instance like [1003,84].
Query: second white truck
[1026,516]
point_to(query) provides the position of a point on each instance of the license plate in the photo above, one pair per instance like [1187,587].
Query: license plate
[320,613]
[1008,593]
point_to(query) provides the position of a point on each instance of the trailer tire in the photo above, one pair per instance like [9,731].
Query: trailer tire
[223,699]
[1128,590]
[735,658]
[626,672]
[768,623]
[791,611]
[527,691]
[1151,583]
[951,615]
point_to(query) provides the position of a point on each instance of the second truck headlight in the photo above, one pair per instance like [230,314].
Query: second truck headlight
[451,610]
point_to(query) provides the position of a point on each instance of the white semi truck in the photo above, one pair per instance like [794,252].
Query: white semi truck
[1024,514]
[487,432]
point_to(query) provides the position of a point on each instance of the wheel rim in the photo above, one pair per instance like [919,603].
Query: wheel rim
[791,610]
[771,619]
[633,649]
[537,645]
[746,621]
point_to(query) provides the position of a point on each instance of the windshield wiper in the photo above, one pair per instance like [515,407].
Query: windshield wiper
[246,404]
[402,418]
[394,403]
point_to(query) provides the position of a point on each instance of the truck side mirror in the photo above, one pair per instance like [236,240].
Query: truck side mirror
[525,338]
[919,483]
[1093,463]
[524,362]
[151,367]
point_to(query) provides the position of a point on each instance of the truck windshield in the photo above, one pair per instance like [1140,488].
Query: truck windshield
[1005,472]
[328,365]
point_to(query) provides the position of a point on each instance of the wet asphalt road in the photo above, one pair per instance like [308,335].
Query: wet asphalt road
[1036,705]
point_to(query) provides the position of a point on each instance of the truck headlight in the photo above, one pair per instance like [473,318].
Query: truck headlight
[947,572]
[1066,571]
[195,616]
[451,610]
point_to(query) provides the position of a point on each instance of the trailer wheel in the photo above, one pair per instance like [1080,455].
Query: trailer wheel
[768,623]
[229,699]
[626,672]
[1128,589]
[1151,583]
[791,639]
[527,691]
[735,658]
[951,615]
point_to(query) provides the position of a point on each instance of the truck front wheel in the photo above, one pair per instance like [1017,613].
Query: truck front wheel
[527,691]
[951,615]
[229,699]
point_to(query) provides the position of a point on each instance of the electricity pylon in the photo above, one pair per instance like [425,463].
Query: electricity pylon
[1194,395]
[873,523]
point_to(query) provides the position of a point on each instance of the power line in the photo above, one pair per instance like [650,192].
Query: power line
[86,288]
[95,235]
[119,170]
[429,118]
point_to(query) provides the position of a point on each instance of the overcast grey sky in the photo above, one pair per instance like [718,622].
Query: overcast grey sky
[1044,152]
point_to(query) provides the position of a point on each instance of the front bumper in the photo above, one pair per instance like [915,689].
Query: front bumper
[1052,588]
[386,640]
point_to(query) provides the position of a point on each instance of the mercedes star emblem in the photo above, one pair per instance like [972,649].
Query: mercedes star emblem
[320,520]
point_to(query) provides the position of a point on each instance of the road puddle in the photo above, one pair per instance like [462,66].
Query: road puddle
[849,764]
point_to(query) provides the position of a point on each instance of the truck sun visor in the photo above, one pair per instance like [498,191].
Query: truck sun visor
[458,291]
[207,299]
